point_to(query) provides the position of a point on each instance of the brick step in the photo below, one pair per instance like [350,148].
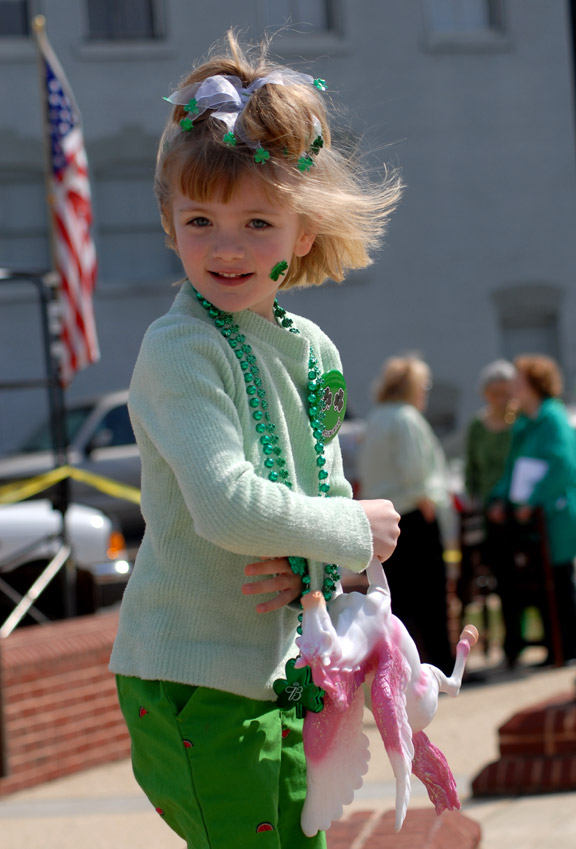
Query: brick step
[538,752]
[422,829]
[526,775]
[548,728]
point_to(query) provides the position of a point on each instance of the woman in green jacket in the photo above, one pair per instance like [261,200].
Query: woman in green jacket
[541,473]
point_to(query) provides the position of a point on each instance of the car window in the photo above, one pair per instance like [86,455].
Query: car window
[114,429]
[41,439]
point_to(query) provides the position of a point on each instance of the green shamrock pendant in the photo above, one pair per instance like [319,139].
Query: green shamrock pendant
[298,690]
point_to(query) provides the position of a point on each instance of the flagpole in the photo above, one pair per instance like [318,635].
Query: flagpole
[56,398]
[39,26]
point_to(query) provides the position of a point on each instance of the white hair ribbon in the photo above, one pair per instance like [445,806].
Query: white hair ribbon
[225,95]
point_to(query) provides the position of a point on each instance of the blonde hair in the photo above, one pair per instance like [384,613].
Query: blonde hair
[338,203]
[401,379]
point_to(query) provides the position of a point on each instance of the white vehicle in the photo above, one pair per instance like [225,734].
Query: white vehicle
[30,537]
[100,441]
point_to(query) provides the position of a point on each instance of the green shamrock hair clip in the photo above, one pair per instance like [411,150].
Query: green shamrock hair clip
[230,139]
[192,107]
[317,145]
[280,268]
[305,163]
[261,155]
[320,84]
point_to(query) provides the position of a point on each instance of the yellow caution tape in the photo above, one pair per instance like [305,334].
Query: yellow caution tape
[452,555]
[20,490]
[107,485]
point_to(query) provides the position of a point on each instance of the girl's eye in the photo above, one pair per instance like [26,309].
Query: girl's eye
[259,224]
[199,221]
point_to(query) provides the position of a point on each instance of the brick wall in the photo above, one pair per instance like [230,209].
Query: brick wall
[60,709]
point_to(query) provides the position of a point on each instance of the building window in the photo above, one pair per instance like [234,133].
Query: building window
[318,16]
[463,17]
[124,20]
[14,18]
[528,315]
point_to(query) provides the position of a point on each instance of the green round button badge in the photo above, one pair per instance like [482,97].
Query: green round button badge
[334,399]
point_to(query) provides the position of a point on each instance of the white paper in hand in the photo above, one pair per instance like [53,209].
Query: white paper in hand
[527,472]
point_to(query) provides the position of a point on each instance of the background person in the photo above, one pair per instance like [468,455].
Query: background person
[402,460]
[488,434]
[541,473]
[487,445]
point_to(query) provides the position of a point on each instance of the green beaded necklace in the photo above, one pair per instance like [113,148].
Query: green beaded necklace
[274,461]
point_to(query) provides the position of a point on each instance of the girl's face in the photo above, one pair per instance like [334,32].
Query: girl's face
[229,249]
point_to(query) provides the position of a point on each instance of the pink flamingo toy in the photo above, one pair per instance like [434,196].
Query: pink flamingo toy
[355,641]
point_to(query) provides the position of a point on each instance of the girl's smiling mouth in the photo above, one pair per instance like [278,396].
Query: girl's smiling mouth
[231,276]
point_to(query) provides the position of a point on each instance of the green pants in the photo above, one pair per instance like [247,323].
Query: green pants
[225,772]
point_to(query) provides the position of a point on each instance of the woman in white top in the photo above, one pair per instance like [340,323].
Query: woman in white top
[402,460]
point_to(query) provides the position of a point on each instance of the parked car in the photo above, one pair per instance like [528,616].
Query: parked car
[30,536]
[100,440]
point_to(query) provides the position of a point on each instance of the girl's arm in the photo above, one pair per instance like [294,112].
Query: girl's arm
[185,406]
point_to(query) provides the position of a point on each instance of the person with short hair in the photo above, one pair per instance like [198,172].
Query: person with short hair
[487,445]
[488,434]
[540,474]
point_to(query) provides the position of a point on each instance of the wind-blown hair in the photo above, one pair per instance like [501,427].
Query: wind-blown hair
[345,209]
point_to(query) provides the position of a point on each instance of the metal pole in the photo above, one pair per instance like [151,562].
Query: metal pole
[56,398]
[3,740]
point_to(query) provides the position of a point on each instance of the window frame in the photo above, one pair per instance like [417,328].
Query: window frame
[158,25]
[494,37]
[29,13]
[289,41]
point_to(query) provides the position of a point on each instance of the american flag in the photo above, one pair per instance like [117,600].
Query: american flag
[71,208]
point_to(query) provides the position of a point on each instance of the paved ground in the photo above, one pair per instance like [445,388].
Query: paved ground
[103,808]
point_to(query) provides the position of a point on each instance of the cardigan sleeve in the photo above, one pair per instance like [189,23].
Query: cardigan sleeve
[183,397]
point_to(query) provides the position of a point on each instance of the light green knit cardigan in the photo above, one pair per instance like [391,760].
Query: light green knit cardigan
[210,509]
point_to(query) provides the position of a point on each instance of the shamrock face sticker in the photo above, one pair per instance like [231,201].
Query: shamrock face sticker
[333,403]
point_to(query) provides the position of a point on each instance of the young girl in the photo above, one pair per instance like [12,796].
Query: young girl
[236,407]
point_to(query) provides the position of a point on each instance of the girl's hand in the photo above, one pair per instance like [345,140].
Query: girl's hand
[278,577]
[384,521]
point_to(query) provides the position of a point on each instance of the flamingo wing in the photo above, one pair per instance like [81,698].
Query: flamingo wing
[389,709]
[336,759]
